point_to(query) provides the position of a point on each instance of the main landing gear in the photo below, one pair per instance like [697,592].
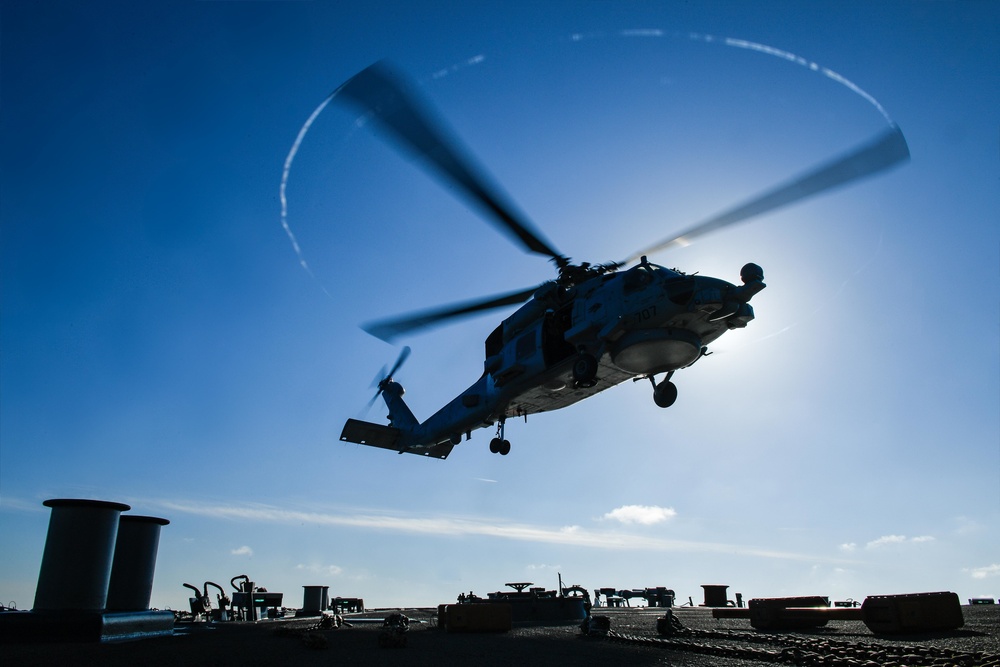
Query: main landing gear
[498,445]
[585,371]
[664,393]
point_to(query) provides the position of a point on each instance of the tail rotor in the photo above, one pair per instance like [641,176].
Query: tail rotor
[385,376]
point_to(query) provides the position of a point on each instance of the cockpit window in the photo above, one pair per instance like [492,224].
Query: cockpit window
[638,277]
[680,290]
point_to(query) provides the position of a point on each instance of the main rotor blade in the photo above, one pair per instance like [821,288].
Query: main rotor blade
[385,96]
[387,330]
[887,150]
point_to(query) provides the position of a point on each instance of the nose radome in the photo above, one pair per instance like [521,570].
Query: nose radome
[751,272]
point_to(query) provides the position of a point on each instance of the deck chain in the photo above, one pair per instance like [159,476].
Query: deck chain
[807,652]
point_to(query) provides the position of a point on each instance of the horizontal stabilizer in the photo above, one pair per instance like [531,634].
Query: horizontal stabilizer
[378,435]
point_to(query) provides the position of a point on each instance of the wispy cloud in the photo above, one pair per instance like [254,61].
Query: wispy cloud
[885,540]
[967,526]
[14,504]
[646,515]
[242,551]
[541,567]
[642,32]
[741,44]
[450,526]
[891,540]
[985,572]
[283,188]
[316,568]
[799,60]
[477,59]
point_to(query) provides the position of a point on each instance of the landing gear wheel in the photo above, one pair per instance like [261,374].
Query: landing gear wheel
[665,393]
[501,447]
[585,371]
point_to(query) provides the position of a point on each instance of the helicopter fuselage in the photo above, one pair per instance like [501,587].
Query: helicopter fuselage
[570,342]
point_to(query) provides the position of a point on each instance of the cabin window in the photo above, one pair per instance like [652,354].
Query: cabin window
[555,348]
[495,342]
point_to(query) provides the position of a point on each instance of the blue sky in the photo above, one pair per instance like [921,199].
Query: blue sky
[161,345]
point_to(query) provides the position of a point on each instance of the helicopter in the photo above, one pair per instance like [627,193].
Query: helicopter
[590,328]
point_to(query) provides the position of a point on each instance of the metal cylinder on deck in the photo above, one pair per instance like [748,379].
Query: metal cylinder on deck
[134,561]
[76,563]
[715,595]
[315,599]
